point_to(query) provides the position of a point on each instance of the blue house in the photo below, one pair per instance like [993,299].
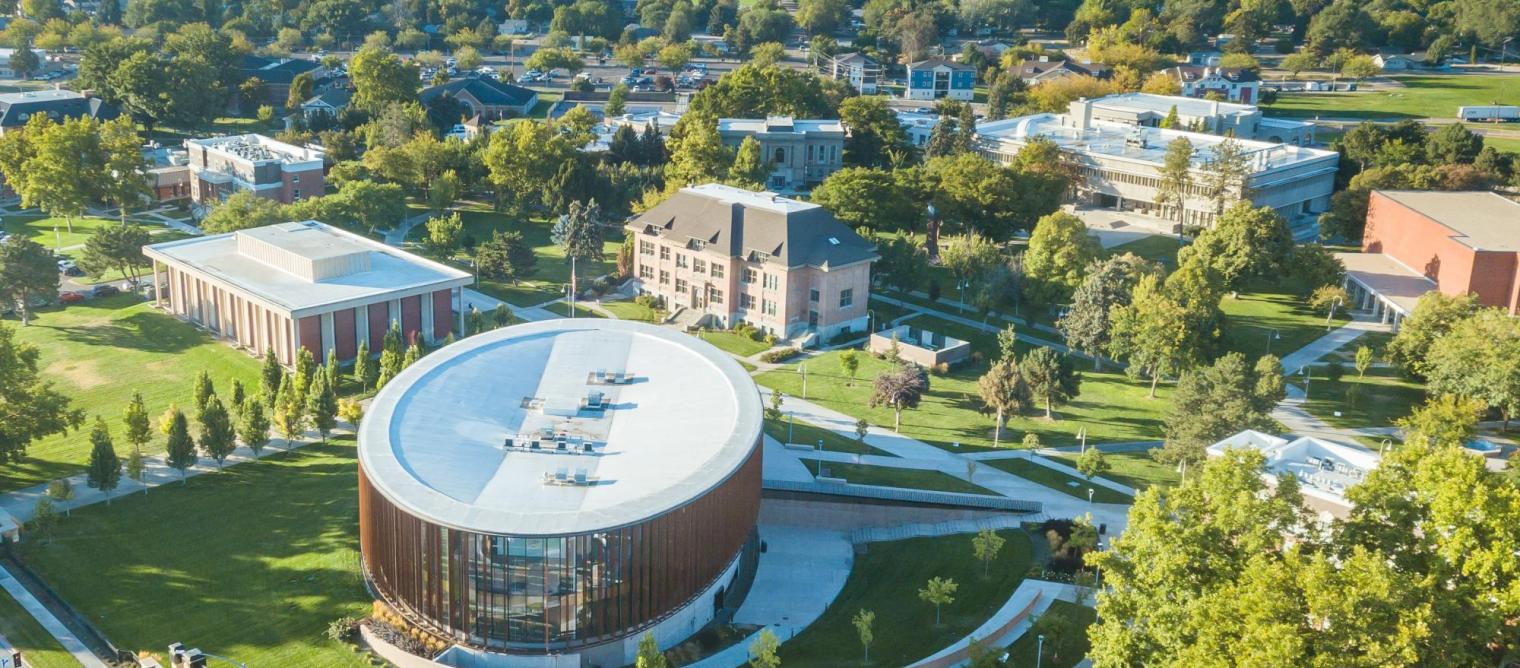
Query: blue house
[935,78]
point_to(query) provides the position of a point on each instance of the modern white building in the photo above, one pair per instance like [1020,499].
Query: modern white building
[305,285]
[861,72]
[800,153]
[271,169]
[1218,118]
[1324,469]
[918,124]
[1119,165]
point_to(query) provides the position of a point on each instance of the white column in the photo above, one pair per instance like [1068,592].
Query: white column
[395,314]
[459,326]
[329,338]
[361,326]
[427,317]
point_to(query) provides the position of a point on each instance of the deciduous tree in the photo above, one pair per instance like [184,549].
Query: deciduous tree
[1003,392]
[218,436]
[104,470]
[28,274]
[253,427]
[181,447]
[1058,257]
[938,592]
[985,546]
[900,388]
[1152,333]
[1050,377]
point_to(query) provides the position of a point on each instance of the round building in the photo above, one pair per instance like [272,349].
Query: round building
[561,487]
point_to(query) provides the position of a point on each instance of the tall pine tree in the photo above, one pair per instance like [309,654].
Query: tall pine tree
[104,472]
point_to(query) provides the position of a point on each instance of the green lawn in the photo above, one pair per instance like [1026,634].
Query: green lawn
[1049,477]
[1422,97]
[1256,323]
[734,343]
[563,309]
[886,580]
[250,563]
[1157,248]
[1132,469]
[550,274]
[100,351]
[809,433]
[1378,399]
[1021,652]
[1110,407]
[1507,144]
[626,310]
[53,232]
[889,476]
[25,635]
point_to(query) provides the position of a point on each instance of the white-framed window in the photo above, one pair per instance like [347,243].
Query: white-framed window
[717,270]
[698,265]
[772,282]
[746,301]
[846,298]
[680,285]
[664,277]
[646,248]
[664,252]
[646,271]
[768,307]
[751,275]
[680,261]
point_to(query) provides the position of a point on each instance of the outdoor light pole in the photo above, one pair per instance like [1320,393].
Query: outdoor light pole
[1089,495]
[1039,649]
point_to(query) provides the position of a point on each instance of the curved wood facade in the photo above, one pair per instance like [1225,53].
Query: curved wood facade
[536,593]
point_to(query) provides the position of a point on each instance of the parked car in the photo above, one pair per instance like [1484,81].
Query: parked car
[104,290]
[70,298]
[66,265]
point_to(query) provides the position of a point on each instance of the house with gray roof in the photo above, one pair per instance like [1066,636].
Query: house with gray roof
[787,267]
[486,97]
[18,108]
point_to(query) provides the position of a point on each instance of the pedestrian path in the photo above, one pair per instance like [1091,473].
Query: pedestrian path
[71,643]
[991,329]
[1336,339]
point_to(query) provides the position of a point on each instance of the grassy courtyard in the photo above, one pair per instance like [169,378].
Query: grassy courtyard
[102,350]
[1376,400]
[1131,469]
[797,431]
[1110,407]
[625,310]
[551,273]
[1056,480]
[1429,96]
[734,343]
[1256,323]
[1156,248]
[1022,651]
[890,476]
[53,232]
[886,580]
[25,635]
[250,563]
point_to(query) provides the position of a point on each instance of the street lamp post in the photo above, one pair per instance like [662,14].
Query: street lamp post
[1039,649]
[1089,496]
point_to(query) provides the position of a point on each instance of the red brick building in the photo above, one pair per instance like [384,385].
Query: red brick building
[304,285]
[1455,242]
[220,166]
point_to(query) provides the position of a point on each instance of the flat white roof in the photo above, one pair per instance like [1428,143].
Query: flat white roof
[779,125]
[1141,143]
[1162,104]
[268,270]
[434,441]
[764,199]
[257,148]
[1325,469]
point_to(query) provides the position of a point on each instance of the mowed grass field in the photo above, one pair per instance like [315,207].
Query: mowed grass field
[102,350]
[250,563]
[1423,96]
[552,271]
[886,579]
[53,232]
[25,635]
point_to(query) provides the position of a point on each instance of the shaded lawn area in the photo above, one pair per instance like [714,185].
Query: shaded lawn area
[626,310]
[250,563]
[1256,323]
[1049,477]
[810,434]
[1022,651]
[1430,96]
[883,313]
[1132,469]
[734,343]
[886,579]
[101,350]
[1110,407]
[25,635]
[40,228]
[1157,248]
[888,476]
[563,309]
[550,274]
[1376,400]
[145,274]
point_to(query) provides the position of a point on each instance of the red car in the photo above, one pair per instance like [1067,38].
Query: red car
[70,298]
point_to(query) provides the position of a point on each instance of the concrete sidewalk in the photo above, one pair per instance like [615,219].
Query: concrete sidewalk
[45,617]
[1336,339]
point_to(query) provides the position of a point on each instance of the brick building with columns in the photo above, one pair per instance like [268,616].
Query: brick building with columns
[304,285]
[1418,241]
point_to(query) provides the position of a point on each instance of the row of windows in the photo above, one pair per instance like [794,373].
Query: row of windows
[767,306]
[846,297]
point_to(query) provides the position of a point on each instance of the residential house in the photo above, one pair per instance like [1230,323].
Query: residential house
[801,153]
[786,267]
[937,78]
[18,108]
[5,63]
[276,75]
[485,96]
[220,166]
[1045,69]
[1231,83]
[329,102]
[861,72]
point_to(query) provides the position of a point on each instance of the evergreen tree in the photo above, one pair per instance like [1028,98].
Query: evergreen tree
[139,430]
[625,146]
[218,438]
[322,406]
[332,368]
[104,472]
[271,377]
[1050,376]
[965,140]
[750,171]
[137,467]
[364,367]
[238,396]
[253,428]
[181,448]
[943,139]
[652,146]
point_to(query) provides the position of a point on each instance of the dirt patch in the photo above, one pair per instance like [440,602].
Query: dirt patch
[83,374]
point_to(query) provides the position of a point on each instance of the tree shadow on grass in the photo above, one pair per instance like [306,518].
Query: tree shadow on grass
[147,332]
